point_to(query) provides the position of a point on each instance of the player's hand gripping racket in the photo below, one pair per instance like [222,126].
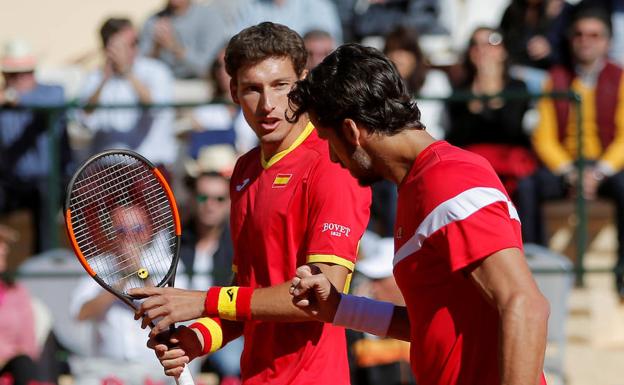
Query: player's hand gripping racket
[123,223]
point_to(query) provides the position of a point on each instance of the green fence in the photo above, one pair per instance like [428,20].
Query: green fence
[54,113]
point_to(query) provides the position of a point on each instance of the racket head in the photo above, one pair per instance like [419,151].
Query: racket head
[123,223]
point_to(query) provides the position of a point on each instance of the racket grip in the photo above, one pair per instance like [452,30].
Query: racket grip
[185,378]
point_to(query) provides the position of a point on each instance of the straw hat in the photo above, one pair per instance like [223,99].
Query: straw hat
[17,56]
[219,158]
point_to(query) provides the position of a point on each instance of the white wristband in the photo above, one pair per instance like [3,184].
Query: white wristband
[364,314]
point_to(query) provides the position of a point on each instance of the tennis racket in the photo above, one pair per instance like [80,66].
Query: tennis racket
[123,224]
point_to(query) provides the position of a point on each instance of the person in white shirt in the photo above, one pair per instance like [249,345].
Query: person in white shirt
[119,342]
[128,79]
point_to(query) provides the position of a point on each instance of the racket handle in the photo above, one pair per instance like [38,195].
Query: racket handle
[185,378]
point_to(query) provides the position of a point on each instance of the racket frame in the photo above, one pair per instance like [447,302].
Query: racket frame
[169,278]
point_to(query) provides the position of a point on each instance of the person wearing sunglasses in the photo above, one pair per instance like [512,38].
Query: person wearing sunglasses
[119,349]
[600,83]
[207,252]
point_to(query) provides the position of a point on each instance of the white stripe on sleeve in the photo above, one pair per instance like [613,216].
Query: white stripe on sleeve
[455,209]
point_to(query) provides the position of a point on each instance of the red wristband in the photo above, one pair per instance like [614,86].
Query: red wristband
[243,304]
[211,304]
[232,303]
[212,332]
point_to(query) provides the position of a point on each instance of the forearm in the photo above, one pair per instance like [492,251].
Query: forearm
[142,91]
[179,51]
[96,307]
[95,97]
[380,318]
[272,303]
[155,51]
[275,304]
[523,344]
[613,157]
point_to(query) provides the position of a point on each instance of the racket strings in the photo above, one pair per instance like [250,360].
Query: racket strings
[122,222]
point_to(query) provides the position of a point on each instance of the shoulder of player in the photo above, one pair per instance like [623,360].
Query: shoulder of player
[457,162]
[244,165]
[453,173]
[250,157]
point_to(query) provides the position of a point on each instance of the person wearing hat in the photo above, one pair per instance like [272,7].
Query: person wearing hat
[18,350]
[377,360]
[25,138]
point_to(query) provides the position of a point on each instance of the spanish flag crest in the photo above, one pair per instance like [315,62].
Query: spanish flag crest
[281,180]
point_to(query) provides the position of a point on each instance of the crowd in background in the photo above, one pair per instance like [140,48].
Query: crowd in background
[537,45]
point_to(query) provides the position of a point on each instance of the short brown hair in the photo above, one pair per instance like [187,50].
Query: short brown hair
[259,42]
[111,26]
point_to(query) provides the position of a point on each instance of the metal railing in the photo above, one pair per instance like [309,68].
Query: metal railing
[54,113]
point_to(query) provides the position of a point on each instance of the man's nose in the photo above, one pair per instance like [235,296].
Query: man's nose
[267,101]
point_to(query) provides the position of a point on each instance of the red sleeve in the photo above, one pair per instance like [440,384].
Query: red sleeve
[480,235]
[339,210]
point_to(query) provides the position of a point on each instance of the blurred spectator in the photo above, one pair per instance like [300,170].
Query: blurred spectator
[615,9]
[462,17]
[221,121]
[379,17]
[18,350]
[600,84]
[206,245]
[186,36]
[378,360]
[206,248]
[492,127]
[535,36]
[300,15]
[128,79]
[119,342]
[29,139]
[319,44]
[403,49]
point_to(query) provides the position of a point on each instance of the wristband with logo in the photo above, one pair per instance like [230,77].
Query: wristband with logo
[231,303]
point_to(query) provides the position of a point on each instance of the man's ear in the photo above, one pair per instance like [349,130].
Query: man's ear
[351,132]
[233,91]
[303,74]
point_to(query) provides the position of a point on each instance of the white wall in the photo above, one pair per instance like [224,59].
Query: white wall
[61,31]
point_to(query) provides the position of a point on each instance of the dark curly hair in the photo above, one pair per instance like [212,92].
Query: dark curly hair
[259,42]
[359,83]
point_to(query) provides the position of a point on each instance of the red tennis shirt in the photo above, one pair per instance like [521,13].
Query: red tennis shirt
[452,212]
[297,208]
